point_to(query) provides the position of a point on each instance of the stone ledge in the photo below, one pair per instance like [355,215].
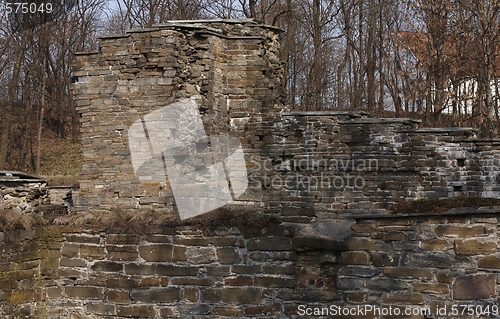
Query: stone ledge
[402,120]
[381,213]
[326,113]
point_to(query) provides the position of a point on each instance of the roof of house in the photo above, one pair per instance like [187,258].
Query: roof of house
[461,56]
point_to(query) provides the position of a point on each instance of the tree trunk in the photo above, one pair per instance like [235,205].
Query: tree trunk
[11,97]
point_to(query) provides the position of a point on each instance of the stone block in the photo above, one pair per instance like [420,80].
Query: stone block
[475,247]
[201,255]
[274,282]
[354,258]
[140,269]
[381,259]
[407,272]
[163,253]
[490,262]
[386,284]
[459,231]
[54,292]
[228,255]
[405,299]
[439,288]
[356,243]
[174,270]
[167,312]
[239,281]
[107,266]
[122,253]
[246,269]
[123,283]
[147,282]
[444,277]
[227,311]
[118,296]
[191,294]
[240,295]
[307,295]
[359,271]
[270,244]
[435,244]
[349,283]
[320,242]
[431,259]
[474,287]
[83,238]
[195,309]
[84,292]
[265,310]
[188,281]
[156,295]
[364,228]
[100,308]
[286,269]
[218,271]
[70,250]
[72,262]
[136,311]
[91,251]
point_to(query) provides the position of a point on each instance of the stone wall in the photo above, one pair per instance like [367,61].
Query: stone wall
[22,193]
[418,263]
[326,164]
[300,164]
[230,67]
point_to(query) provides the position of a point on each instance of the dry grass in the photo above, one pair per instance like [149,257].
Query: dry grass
[61,161]
[10,219]
[141,221]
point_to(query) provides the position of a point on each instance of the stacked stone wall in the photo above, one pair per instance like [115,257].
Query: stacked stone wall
[324,164]
[426,262]
[300,164]
[229,67]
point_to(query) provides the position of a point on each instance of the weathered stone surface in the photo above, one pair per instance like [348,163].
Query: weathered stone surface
[107,266]
[405,299]
[228,255]
[320,242]
[492,262]
[118,296]
[270,243]
[460,231]
[431,288]
[158,295]
[247,295]
[474,287]
[407,272]
[163,253]
[354,258]
[201,255]
[356,243]
[173,270]
[84,292]
[387,284]
[136,311]
[475,246]
[359,271]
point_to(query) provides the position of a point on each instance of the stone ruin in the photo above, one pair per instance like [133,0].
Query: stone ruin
[300,164]
[339,168]
[22,193]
